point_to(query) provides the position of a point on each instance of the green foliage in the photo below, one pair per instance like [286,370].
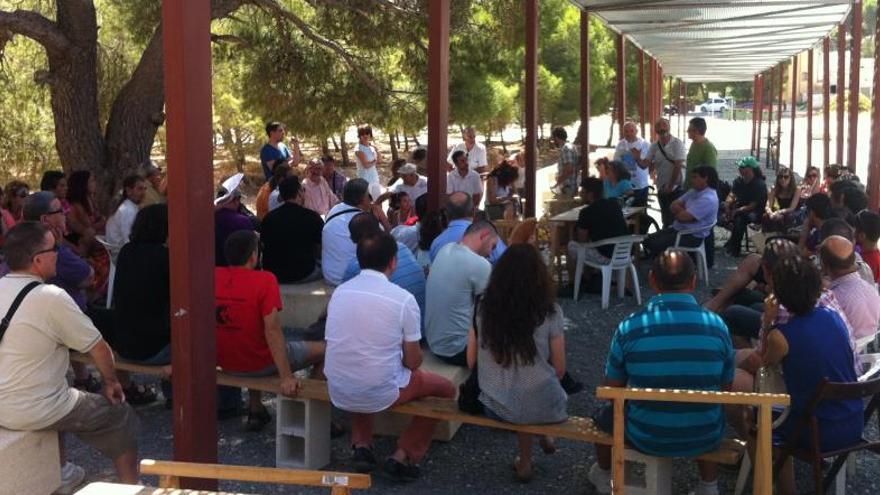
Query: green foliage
[864,103]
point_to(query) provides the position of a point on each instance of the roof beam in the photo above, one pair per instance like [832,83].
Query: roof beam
[617,6]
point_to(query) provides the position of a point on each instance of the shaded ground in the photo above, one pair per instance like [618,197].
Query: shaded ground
[478,460]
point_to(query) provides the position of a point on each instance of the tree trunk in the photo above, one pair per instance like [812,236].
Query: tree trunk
[394,152]
[503,143]
[416,140]
[405,142]
[611,130]
[343,148]
[335,144]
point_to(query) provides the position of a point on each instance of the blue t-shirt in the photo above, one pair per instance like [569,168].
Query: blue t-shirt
[703,206]
[270,154]
[673,343]
[619,190]
[818,347]
[409,275]
[454,233]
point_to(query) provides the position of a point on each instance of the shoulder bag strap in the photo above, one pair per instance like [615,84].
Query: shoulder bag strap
[4,324]
[660,147]
[343,212]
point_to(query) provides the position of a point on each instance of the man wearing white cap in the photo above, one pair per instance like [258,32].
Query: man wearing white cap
[410,182]
[227,217]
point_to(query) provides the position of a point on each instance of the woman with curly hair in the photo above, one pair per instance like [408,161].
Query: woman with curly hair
[13,202]
[617,181]
[518,347]
[501,198]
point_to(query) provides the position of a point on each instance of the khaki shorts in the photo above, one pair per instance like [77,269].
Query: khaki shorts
[112,429]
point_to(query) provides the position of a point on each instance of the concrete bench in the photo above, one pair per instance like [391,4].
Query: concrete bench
[29,461]
[304,303]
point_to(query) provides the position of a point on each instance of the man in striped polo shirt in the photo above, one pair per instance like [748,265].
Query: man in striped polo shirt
[672,343]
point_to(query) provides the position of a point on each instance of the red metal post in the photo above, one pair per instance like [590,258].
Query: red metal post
[810,107]
[779,104]
[841,88]
[874,157]
[438,100]
[754,114]
[826,101]
[684,114]
[682,108]
[621,83]
[795,77]
[642,116]
[659,113]
[770,111]
[531,63]
[585,93]
[187,63]
[855,59]
[760,115]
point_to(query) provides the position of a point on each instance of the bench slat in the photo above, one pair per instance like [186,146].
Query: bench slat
[254,474]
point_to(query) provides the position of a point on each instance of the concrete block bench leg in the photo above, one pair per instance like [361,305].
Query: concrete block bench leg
[657,474]
[29,461]
[302,433]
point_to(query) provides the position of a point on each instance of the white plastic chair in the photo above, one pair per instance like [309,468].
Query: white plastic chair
[702,266]
[112,253]
[620,261]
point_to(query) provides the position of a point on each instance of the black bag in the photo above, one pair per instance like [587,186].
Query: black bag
[469,391]
[4,323]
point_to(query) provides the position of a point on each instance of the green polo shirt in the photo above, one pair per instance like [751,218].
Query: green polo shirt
[698,155]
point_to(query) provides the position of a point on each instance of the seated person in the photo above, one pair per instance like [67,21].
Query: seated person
[746,202]
[374,364]
[812,345]
[501,199]
[858,298]
[519,340]
[35,357]
[459,215]
[408,274]
[458,275]
[228,218]
[409,182]
[409,234]
[279,173]
[134,188]
[601,218]
[401,210]
[649,344]
[250,340]
[142,296]
[291,237]
[695,209]
[317,194]
[337,250]
[867,233]
[464,179]
[782,203]
[818,210]
[617,183]
[850,194]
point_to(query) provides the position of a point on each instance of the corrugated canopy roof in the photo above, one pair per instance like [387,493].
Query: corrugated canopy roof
[723,40]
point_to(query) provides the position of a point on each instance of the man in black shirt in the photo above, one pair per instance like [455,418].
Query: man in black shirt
[291,237]
[601,218]
[746,202]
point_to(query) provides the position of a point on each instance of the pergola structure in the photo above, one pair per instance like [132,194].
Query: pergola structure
[691,40]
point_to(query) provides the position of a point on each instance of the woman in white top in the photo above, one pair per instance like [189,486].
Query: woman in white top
[367,156]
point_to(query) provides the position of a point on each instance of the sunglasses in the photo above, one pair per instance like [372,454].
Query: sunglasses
[53,249]
[785,177]
[812,176]
[54,212]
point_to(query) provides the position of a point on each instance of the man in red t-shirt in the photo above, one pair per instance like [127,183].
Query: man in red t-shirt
[867,234]
[250,340]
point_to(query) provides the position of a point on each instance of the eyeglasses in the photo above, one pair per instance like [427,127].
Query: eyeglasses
[812,176]
[53,249]
[785,177]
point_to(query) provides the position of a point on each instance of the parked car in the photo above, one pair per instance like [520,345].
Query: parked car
[670,110]
[714,105]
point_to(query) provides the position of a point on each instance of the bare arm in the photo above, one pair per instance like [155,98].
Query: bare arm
[557,355]
[103,356]
[412,355]
[743,275]
[676,173]
[472,349]
[278,349]
[583,235]
[477,198]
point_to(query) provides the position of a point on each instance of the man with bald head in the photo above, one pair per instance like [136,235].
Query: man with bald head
[673,343]
[460,214]
[858,299]
[633,151]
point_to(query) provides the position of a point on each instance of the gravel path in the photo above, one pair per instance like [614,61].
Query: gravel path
[478,460]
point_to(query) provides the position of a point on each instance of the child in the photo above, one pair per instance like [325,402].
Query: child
[867,233]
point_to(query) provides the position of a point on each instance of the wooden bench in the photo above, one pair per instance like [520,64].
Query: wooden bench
[575,428]
[171,472]
[29,461]
[303,304]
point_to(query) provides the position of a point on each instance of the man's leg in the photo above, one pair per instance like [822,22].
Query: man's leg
[361,430]
[657,242]
[744,324]
[708,478]
[459,359]
[416,439]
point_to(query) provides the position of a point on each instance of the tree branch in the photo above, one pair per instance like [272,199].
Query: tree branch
[34,26]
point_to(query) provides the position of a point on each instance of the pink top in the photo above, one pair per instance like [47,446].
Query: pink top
[318,197]
[8,219]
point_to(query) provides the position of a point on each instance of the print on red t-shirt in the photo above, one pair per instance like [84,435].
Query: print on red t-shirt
[243,298]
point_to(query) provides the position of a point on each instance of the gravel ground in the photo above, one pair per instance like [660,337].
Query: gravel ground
[477,460]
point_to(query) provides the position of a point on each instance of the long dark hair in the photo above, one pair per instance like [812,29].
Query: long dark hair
[279,173]
[430,226]
[792,183]
[517,301]
[505,173]
[78,189]
[619,170]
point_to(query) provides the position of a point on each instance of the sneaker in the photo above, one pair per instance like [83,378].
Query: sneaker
[570,385]
[257,420]
[704,488]
[400,472]
[600,478]
[363,459]
[71,477]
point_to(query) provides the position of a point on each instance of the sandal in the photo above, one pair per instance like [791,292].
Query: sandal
[137,394]
[90,384]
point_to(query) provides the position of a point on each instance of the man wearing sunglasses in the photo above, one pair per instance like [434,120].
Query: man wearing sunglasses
[35,355]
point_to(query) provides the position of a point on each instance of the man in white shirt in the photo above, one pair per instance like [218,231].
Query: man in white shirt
[410,182]
[35,355]
[666,158]
[632,150]
[337,250]
[475,152]
[463,179]
[373,357]
[134,187]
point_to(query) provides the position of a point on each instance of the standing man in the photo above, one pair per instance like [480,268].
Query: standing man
[666,159]
[632,150]
[658,348]
[464,179]
[275,152]
[701,152]
[566,168]
[474,151]
[155,187]
[134,187]
[35,356]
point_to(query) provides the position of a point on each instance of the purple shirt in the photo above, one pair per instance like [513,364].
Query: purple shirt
[226,222]
[70,273]
[703,205]
[337,184]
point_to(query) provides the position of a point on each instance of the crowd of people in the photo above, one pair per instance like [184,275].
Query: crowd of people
[443,282]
